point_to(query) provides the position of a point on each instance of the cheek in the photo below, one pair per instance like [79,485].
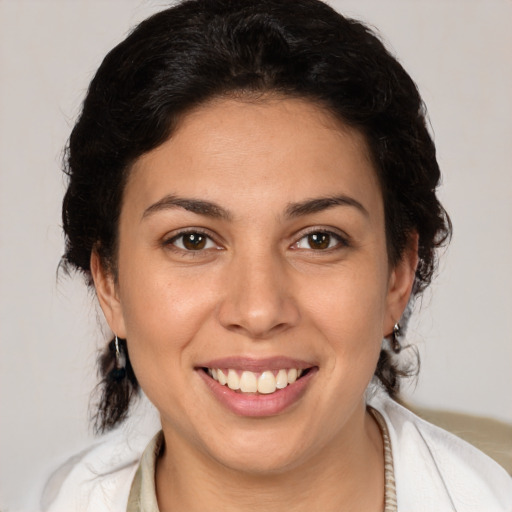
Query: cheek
[349,310]
[162,312]
[162,316]
[352,300]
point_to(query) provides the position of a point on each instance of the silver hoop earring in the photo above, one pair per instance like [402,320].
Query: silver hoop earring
[395,342]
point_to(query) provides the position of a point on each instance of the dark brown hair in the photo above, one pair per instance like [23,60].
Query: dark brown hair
[201,49]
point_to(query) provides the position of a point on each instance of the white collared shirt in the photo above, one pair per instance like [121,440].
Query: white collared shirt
[434,470]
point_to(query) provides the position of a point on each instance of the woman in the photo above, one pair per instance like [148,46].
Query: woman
[252,195]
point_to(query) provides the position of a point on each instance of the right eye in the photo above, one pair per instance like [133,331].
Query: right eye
[192,241]
[321,240]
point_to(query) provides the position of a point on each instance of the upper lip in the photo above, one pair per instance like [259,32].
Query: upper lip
[257,364]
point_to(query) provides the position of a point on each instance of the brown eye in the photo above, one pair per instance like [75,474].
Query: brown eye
[193,241]
[319,240]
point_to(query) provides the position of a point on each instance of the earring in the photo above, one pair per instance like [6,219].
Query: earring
[395,342]
[119,370]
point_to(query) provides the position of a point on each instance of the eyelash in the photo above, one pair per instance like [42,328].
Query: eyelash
[171,242]
[341,241]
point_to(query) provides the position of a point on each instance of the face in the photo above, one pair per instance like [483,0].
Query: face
[252,250]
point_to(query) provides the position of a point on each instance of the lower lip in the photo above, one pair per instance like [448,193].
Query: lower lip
[256,405]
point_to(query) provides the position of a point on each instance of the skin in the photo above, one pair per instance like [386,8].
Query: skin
[258,289]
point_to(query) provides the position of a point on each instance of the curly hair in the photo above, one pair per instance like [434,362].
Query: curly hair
[201,49]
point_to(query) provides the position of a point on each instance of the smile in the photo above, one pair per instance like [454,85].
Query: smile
[258,387]
[246,381]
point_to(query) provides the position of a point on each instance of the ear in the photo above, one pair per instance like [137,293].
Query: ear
[108,295]
[401,281]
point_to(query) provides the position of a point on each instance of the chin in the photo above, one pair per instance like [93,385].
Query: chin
[263,464]
[257,453]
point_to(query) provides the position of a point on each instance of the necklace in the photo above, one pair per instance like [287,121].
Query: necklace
[143,493]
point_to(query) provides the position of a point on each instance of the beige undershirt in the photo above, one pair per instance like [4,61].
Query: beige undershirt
[143,493]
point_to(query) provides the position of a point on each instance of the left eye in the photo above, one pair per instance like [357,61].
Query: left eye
[193,241]
[318,241]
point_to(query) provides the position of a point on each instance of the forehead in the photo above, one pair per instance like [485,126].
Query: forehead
[271,150]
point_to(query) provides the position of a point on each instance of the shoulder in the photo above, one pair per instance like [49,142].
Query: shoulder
[98,478]
[436,470]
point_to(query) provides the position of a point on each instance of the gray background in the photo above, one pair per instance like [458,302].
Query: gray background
[458,51]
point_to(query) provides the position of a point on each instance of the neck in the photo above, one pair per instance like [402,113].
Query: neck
[347,474]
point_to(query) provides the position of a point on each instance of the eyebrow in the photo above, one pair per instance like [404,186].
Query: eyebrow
[319,204]
[209,209]
[198,206]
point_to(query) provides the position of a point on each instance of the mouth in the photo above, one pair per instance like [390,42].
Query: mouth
[257,388]
[265,382]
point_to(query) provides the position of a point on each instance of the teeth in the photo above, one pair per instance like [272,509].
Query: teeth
[221,377]
[233,380]
[265,383]
[281,379]
[248,382]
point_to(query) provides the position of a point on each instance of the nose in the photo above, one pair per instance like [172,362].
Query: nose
[258,300]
